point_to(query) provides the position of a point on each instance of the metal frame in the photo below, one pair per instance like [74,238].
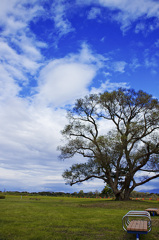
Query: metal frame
[136,214]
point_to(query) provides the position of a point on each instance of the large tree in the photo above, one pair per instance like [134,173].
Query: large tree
[124,157]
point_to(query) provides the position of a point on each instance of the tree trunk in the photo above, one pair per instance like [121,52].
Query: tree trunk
[119,196]
[123,196]
[126,196]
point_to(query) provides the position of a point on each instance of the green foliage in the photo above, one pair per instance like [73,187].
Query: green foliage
[147,195]
[107,191]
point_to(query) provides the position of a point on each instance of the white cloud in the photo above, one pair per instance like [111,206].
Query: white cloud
[62,24]
[146,28]
[65,79]
[134,64]
[8,54]
[29,47]
[134,8]
[94,13]
[140,27]
[8,88]
[151,61]
[31,178]
[128,11]
[36,179]
[31,129]
[19,51]
[14,15]
[119,66]
[17,65]
[109,86]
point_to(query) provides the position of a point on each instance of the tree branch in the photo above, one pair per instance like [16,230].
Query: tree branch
[87,178]
[146,170]
[147,180]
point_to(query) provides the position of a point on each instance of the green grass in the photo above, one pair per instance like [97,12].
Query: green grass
[62,218]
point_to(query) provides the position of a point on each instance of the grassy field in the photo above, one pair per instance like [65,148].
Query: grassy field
[62,218]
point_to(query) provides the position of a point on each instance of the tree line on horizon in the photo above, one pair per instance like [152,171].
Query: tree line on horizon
[105,193]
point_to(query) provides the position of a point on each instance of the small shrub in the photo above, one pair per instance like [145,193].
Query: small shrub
[2,197]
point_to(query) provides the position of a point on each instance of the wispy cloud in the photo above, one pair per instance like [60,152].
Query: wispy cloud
[109,86]
[19,51]
[94,13]
[126,12]
[119,66]
[134,64]
[130,11]
[59,14]
[151,58]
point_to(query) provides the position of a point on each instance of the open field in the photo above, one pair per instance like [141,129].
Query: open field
[63,218]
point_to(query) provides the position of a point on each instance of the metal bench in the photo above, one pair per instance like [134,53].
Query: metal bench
[153,211]
[137,222]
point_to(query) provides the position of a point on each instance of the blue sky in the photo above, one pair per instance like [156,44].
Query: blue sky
[53,52]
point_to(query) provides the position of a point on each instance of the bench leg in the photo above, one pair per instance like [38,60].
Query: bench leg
[152,214]
[137,236]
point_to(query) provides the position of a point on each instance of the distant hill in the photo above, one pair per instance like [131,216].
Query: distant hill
[156,190]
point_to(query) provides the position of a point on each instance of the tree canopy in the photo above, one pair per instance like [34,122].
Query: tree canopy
[126,155]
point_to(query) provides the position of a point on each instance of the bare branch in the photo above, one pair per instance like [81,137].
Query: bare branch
[87,178]
[147,180]
[149,170]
